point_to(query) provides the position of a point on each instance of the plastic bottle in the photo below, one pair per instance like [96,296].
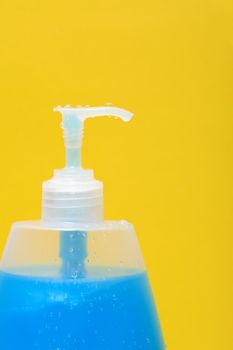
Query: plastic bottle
[73,281]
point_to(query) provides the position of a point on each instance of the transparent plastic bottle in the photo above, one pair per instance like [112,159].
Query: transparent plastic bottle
[73,281]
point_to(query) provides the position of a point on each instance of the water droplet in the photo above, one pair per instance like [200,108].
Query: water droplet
[74,274]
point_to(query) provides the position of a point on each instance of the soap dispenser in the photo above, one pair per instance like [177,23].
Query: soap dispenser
[72,280]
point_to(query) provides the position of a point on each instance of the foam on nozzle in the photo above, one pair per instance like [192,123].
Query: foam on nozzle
[83,113]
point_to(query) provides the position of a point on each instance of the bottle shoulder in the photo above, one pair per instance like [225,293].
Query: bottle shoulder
[105,225]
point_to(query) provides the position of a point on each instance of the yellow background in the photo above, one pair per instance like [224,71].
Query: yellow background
[169,171]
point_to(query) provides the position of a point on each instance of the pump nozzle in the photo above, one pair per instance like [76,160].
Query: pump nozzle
[73,125]
[73,195]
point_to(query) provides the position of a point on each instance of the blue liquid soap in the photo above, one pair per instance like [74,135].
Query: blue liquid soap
[91,313]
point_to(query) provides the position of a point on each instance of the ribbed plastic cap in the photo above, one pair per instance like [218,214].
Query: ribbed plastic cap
[72,195]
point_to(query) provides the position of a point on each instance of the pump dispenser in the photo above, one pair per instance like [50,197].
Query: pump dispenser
[73,194]
[72,280]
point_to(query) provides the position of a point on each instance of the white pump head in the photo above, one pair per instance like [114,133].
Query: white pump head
[73,195]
